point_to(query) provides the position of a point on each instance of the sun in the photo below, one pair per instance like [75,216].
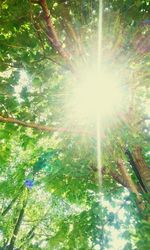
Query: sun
[97,95]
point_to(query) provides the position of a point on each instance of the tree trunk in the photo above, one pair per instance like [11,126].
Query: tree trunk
[6,210]
[17,226]
[131,185]
[143,169]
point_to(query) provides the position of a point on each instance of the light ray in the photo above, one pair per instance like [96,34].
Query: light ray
[100,25]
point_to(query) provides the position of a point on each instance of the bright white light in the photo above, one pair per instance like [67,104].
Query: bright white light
[97,95]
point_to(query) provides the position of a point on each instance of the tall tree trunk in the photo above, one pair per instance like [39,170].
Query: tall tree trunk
[134,166]
[17,226]
[143,169]
[131,185]
[6,210]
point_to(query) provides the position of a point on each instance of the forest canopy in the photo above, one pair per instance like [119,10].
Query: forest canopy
[74,124]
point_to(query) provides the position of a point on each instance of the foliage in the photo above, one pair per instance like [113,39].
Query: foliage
[49,179]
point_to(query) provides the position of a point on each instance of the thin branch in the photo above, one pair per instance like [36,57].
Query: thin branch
[56,62]
[48,58]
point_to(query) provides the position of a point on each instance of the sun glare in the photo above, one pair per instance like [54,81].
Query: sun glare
[97,95]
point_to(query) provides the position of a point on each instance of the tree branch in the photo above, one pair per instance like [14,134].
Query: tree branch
[30,125]
[72,35]
[52,35]
[114,174]
[117,177]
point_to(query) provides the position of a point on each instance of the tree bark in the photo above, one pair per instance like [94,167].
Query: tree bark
[143,169]
[116,176]
[134,166]
[53,37]
[131,185]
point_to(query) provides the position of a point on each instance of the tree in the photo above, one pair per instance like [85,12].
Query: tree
[49,177]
